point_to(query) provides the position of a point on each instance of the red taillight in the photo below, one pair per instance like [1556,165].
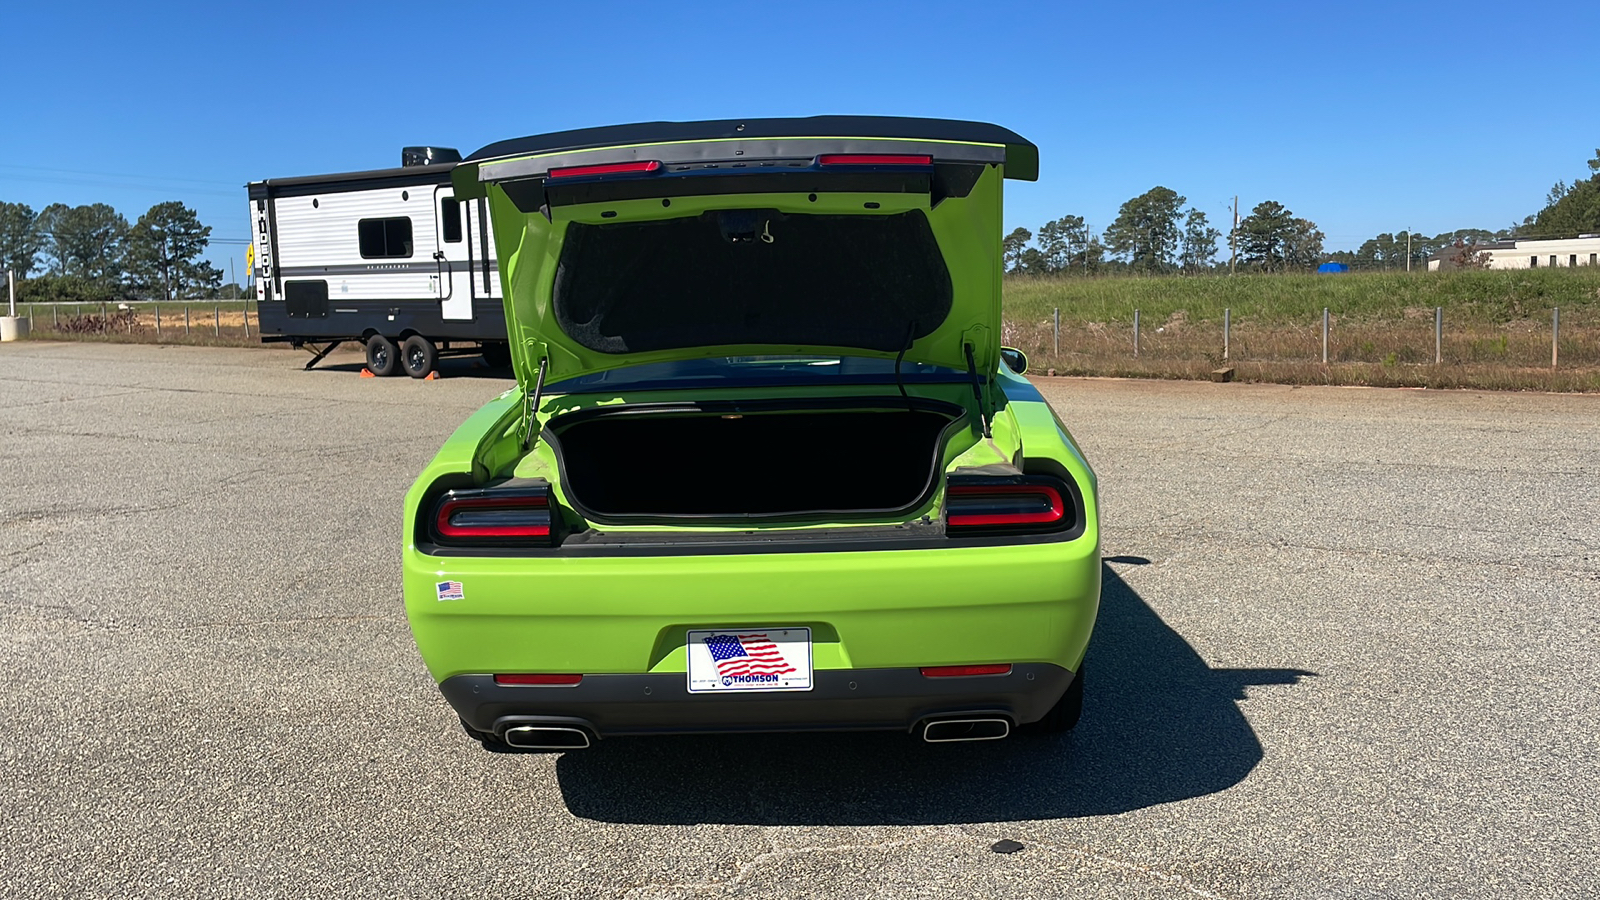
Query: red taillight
[874,159]
[622,168]
[529,678]
[493,516]
[990,505]
[965,671]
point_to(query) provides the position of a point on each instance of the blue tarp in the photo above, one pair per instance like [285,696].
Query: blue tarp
[1330,268]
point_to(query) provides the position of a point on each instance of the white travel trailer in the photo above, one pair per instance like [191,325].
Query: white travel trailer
[388,257]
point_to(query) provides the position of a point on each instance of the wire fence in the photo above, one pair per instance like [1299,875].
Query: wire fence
[177,321]
[1422,339]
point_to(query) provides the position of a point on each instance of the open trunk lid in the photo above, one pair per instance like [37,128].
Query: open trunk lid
[843,235]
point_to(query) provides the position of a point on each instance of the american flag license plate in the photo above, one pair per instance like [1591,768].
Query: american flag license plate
[750,659]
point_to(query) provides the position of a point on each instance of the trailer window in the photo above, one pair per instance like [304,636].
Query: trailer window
[385,238]
[450,219]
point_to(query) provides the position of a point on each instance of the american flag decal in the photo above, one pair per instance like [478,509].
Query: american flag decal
[746,654]
[450,590]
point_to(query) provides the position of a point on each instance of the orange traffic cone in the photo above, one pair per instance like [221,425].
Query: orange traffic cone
[367,373]
[431,376]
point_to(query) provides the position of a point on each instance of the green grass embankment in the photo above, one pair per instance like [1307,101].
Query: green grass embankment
[1496,327]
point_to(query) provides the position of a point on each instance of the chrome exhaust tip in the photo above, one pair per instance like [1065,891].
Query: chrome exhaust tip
[546,737]
[944,731]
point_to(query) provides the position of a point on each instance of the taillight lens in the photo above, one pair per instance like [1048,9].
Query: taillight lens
[1021,504]
[494,516]
[538,678]
[965,671]
[874,159]
[622,168]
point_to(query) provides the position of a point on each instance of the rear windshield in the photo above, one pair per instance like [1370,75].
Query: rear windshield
[743,371]
[752,277]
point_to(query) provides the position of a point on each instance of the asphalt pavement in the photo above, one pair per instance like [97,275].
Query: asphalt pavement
[1348,648]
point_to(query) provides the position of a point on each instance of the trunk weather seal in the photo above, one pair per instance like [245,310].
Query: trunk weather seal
[552,439]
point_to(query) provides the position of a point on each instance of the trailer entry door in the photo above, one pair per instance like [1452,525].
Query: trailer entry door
[451,255]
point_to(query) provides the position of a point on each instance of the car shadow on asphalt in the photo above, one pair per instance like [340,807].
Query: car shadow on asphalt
[1159,725]
[446,367]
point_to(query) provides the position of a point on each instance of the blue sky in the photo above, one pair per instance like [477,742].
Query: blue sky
[1364,117]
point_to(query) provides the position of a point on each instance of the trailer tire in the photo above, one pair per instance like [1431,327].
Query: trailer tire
[383,357]
[417,356]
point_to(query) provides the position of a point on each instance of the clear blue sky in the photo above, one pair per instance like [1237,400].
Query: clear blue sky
[1364,117]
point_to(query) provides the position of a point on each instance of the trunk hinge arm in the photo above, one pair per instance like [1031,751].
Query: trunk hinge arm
[530,404]
[977,391]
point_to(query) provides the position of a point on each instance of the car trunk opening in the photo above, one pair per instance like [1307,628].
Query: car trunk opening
[752,276]
[737,464]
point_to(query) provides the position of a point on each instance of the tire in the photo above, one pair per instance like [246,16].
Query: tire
[417,356]
[383,358]
[1062,717]
[497,356]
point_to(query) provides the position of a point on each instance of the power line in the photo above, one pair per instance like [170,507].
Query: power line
[115,175]
[152,188]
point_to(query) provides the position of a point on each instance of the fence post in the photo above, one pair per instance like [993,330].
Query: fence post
[1136,333]
[1057,329]
[1227,328]
[54,324]
[216,321]
[1438,335]
[1324,335]
[1555,337]
[158,321]
[186,321]
[247,323]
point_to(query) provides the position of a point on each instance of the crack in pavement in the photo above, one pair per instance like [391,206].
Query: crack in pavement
[748,868]
[1087,855]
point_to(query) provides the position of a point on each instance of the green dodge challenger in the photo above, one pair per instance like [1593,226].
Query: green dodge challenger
[767,466]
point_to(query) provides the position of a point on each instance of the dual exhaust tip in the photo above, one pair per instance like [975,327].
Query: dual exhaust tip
[977,728]
[546,737]
[934,731]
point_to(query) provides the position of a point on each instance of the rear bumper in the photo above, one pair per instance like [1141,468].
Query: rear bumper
[840,700]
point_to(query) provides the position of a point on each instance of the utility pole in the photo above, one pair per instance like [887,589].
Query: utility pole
[1408,249]
[230,279]
[166,277]
[1233,237]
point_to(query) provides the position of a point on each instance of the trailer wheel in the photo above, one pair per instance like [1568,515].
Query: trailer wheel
[383,358]
[418,355]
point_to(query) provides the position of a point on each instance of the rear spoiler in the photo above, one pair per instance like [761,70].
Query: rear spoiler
[949,150]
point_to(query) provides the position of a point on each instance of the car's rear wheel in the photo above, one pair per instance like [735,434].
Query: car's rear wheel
[383,358]
[498,356]
[418,355]
[1065,714]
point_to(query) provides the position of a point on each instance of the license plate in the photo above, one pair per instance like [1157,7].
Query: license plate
[750,659]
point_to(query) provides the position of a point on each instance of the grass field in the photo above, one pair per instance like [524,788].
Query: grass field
[1496,327]
[201,322]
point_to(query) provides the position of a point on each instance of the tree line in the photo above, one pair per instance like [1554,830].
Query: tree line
[90,252]
[1154,235]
